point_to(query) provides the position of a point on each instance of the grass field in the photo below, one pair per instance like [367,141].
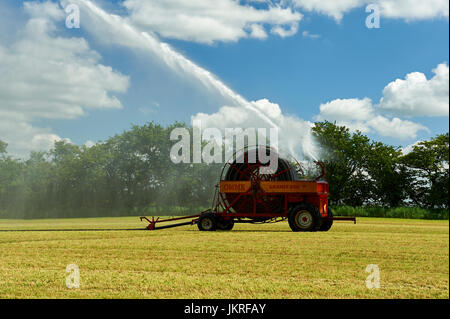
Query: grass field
[252,261]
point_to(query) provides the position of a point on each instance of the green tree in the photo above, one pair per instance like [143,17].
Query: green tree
[345,156]
[131,173]
[429,163]
[361,171]
[389,181]
[38,181]
[11,184]
[3,147]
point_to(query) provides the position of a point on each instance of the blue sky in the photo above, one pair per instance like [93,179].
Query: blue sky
[299,73]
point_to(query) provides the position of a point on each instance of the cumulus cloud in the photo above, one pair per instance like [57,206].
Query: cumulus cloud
[402,9]
[22,137]
[361,115]
[294,134]
[414,9]
[46,9]
[332,8]
[44,76]
[257,31]
[283,32]
[347,109]
[396,127]
[208,21]
[417,96]
[410,97]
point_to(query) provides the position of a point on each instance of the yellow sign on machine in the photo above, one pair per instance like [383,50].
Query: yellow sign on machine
[235,187]
[270,186]
[289,187]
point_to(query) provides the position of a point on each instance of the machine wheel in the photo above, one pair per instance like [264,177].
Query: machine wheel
[304,217]
[326,224]
[223,224]
[207,222]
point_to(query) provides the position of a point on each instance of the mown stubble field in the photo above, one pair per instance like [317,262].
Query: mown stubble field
[252,261]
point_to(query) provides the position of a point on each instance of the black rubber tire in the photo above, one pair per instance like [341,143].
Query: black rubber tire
[207,222]
[326,224]
[225,225]
[313,220]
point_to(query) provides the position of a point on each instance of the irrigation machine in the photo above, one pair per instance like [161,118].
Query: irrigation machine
[251,191]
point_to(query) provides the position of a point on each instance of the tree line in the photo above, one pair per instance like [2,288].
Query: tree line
[132,174]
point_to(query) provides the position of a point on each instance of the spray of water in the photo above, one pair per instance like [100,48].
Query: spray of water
[177,61]
[174,59]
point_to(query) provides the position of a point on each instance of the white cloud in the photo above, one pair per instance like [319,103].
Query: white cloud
[89,143]
[283,32]
[258,31]
[361,115]
[43,76]
[347,109]
[294,133]
[402,9]
[332,8]
[47,10]
[395,127]
[409,148]
[417,96]
[44,141]
[414,96]
[208,21]
[22,137]
[414,9]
